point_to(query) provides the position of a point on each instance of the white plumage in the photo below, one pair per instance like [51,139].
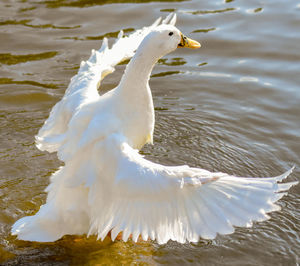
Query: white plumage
[107,186]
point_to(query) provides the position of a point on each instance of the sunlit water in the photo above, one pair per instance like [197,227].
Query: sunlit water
[231,106]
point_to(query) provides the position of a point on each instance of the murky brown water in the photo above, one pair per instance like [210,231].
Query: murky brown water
[232,106]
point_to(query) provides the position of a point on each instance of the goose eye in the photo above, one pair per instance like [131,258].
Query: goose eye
[171,33]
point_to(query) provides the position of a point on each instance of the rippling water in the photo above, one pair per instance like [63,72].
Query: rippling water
[232,106]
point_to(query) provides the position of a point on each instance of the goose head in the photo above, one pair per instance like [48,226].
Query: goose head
[164,39]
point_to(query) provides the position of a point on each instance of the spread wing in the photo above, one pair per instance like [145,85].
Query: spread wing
[83,88]
[178,203]
[110,187]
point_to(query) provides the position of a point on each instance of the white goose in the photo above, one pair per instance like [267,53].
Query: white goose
[107,186]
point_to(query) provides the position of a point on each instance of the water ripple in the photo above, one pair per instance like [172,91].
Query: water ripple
[26,23]
[28,82]
[231,106]
[10,59]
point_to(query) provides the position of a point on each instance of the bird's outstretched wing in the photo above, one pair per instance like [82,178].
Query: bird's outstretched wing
[178,203]
[83,87]
[110,187]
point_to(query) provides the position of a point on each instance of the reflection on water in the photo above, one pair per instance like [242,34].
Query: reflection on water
[204,30]
[87,3]
[232,106]
[80,250]
[26,22]
[204,12]
[26,82]
[101,37]
[10,59]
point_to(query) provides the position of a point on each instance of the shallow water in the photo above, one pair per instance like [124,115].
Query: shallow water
[231,106]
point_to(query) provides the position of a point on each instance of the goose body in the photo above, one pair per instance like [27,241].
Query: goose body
[106,186]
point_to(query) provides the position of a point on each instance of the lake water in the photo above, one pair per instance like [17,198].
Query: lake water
[231,106]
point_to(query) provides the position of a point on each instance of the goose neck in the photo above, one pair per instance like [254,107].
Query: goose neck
[138,71]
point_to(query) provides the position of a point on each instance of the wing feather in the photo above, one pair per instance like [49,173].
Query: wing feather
[163,203]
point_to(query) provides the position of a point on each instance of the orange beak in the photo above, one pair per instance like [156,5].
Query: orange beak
[188,43]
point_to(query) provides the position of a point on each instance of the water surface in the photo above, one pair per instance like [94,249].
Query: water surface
[231,106]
